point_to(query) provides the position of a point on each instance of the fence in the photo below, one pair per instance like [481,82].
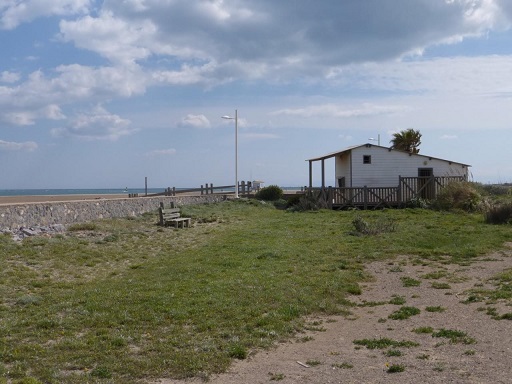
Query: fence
[244,188]
[409,188]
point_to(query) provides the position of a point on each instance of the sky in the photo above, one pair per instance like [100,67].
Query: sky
[104,94]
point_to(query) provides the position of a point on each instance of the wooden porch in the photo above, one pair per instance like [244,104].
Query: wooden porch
[408,189]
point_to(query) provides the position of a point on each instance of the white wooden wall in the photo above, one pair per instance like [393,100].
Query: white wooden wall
[386,166]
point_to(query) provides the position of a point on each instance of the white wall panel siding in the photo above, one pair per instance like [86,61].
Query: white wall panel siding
[387,165]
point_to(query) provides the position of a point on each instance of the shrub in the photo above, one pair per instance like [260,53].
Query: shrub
[493,189]
[270,193]
[458,195]
[382,225]
[498,214]
[309,203]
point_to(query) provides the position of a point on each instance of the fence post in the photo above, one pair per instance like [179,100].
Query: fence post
[399,192]
[365,194]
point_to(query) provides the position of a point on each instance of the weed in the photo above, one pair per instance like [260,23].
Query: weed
[313,363]
[382,225]
[393,352]
[404,313]
[423,330]
[276,376]
[397,300]
[423,356]
[498,214]
[435,275]
[470,352]
[410,282]
[396,368]
[237,351]
[383,343]
[342,365]
[454,336]
[435,309]
[438,285]
[101,372]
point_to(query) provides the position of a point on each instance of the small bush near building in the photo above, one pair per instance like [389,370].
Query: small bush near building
[499,214]
[383,225]
[270,193]
[458,195]
[307,202]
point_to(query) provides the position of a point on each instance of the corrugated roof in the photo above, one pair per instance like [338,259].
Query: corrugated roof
[348,149]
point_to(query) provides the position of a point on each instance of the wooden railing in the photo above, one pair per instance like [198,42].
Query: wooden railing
[409,188]
[244,188]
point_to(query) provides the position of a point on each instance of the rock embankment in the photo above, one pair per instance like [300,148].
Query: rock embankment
[26,218]
[21,233]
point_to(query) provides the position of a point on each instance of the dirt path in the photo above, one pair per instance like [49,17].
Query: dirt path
[332,356]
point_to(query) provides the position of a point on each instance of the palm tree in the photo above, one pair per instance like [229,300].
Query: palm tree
[408,140]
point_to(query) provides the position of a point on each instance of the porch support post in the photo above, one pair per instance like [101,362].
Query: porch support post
[310,174]
[323,173]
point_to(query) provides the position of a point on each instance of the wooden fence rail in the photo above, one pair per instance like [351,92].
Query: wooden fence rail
[244,188]
[409,188]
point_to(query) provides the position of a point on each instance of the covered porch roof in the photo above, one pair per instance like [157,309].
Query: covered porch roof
[325,157]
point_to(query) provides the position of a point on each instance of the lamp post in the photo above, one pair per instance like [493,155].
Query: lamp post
[236,149]
[378,139]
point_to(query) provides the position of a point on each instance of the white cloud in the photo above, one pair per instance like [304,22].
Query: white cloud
[194,121]
[97,124]
[340,111]
[23,103]
[449,137]
[13,146]
[15,12]
[20,117]
[9,77]
[220,41]
[162,152]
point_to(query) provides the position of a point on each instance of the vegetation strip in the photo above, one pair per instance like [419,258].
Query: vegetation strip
[126,300]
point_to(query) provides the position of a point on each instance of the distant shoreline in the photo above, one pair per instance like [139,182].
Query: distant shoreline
[23,199]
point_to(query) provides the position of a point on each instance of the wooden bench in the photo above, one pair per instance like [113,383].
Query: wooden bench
[172,216]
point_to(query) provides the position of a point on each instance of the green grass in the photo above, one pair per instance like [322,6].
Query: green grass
[397,300]
[502,289]
[396,368]
[384,343]
[404,313]
[122,301]
[454,336]
[435,309]
[410,282]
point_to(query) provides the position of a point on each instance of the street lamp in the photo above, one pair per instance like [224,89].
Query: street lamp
[377,140]
[236,149]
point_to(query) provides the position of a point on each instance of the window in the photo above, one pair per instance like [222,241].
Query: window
[367,159]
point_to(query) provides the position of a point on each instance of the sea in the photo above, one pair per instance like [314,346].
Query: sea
[51,192]
[103,191]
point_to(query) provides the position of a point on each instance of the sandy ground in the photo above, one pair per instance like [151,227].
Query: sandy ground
[330,355]
[11,200]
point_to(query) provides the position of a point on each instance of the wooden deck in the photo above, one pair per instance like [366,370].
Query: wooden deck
[408,189]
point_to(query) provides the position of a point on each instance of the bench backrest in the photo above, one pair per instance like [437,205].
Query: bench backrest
[168,214]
